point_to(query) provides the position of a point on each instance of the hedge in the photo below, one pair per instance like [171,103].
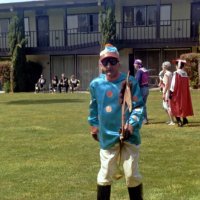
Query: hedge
[193,68]
[4,73]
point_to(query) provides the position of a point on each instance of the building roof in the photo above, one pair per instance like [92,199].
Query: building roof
[17,4]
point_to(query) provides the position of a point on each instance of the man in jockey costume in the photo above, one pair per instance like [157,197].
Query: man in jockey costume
[105,119]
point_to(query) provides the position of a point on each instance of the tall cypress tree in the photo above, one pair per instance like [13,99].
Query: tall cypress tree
[17,44]
[108,24]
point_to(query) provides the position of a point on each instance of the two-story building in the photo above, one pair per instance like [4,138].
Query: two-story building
[65,36]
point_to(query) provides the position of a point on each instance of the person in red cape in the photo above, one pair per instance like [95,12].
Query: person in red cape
[180,98]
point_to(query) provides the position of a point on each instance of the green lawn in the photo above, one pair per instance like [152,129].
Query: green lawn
[46,152]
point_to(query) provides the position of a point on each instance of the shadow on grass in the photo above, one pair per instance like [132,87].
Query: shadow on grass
[44,101]
[190,124]
[193,124]
[154,122]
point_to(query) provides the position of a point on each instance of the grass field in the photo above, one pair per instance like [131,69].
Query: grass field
[46,152]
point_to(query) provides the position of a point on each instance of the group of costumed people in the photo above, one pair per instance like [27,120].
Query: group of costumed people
[117,111]
[176,93]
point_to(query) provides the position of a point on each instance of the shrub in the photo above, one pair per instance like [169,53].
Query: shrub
[32,71]
[193,70]
[5,67]
[6,87]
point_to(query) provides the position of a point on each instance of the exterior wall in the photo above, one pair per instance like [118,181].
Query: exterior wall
[81,10]
[77,38]
[85,67]
[7,14]
[3,37]
[124,59]
[31,36]
[32,22]
[179,10]
[57,38]
[56,27]
[56,19]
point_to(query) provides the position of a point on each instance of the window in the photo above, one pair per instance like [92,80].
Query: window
[82,23]
[128,17]
[165,15]
[134,16]
[4,24]
[72,23]
[146,15]
[94,21]
[26,26]
[140,16]
[151,15]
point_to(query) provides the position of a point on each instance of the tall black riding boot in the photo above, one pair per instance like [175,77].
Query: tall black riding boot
[185,121]
[103,192]
[179,122]
[135,193]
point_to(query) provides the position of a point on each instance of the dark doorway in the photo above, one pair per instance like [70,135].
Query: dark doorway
[131,66]
[42,31]
[195,10]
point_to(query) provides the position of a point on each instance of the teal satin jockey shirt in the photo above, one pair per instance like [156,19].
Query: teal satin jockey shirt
[105,110]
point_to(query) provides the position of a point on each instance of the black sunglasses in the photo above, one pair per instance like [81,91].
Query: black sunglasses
[112,61]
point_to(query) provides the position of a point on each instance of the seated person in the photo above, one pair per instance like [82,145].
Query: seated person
[63,83]
[54,84]
[74,83]
[40,85]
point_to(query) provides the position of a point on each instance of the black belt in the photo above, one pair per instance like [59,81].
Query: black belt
[144,85]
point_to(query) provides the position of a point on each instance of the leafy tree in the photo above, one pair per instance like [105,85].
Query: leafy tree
[17,44]
[193,65]
[108,24]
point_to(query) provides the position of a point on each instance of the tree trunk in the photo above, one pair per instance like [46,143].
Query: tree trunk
[11,79]
[199,59]
[199,72]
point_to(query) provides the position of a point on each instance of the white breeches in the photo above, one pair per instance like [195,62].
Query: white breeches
[129,161]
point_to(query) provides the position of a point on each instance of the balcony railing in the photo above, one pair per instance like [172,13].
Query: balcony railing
[4,42]
[71,39]
[61,39]
[168,30]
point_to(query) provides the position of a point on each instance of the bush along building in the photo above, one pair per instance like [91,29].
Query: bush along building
[65,36]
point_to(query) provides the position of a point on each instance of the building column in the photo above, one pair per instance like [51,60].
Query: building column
[158,19]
